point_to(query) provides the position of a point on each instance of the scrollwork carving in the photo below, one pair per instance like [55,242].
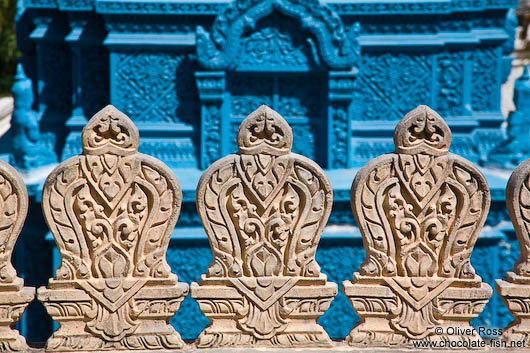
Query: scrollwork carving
[219,49]
[14,297]
[264,210]
[518,200]
[420,211]
[111,211]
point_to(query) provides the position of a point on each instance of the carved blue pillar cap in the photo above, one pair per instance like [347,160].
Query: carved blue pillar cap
[22,90]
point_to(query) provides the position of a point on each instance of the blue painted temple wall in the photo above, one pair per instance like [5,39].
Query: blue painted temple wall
[187,72]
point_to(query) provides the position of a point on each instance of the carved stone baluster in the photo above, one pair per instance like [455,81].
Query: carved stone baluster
[112,211]
[264,210]
[420,211]
[515,289]
[14,297]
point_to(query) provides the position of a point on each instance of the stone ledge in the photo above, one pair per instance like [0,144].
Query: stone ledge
[339,347]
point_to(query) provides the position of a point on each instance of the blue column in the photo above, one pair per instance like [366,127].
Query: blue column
[340,95]
[214,116]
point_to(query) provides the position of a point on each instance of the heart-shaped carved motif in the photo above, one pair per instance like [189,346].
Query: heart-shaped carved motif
[111,188]
[266,188]
[421,187]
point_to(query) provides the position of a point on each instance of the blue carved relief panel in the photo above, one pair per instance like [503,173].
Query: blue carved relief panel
[155,86]
[276,44]
[388,84]
[486,82]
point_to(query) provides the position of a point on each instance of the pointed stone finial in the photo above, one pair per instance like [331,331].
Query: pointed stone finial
[111,211]
[264,210]
[422,131]
[420,211]
[14,297]
[264,132]
[110,131]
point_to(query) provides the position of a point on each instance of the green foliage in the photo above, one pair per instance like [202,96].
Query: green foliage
[8,46]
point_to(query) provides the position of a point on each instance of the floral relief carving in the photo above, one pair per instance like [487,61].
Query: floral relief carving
[273,36]
[389,82]
[137,72]
[111,211]
[420,211]
[264,210]
[484,96]
[449,70]
[14,297]
[220,48]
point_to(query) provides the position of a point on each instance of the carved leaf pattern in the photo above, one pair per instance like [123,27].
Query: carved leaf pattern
[88,219]
[518,200]
[111,211]
[111,208]
[264,208]
[277,216]
[420,211]
[75,262]
[13,210]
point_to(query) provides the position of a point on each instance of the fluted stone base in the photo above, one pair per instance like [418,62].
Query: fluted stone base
[392,320]
[515,292]
[12,306]
[287,318]
[140,323]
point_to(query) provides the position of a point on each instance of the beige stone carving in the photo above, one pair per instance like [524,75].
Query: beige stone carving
[420,211]
[14,297]
[264,210]
[515,289]
[112,211]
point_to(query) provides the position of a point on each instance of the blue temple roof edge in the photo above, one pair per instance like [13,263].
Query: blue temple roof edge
[440,39]
[476,36]
[345,7]
[213,7]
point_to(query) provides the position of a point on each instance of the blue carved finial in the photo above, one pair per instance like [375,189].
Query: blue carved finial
[22,90]
[516,147]
[28,150]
